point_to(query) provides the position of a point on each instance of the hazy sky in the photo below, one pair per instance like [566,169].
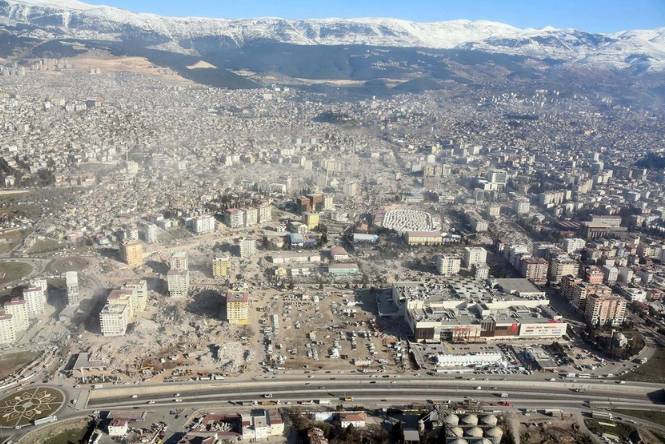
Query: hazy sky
[589,15]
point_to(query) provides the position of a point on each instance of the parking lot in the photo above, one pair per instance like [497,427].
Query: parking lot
[328,330]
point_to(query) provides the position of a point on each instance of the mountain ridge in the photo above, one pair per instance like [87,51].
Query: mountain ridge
[642,50]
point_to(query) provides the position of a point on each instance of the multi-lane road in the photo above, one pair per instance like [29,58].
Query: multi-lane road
[392,388]
[369,391]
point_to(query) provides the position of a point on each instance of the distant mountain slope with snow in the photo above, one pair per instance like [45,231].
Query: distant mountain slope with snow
[642,50]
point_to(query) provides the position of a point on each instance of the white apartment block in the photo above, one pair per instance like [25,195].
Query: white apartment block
[18,309]
[179,261]
[41,284]
[72,284]
[7,330]
[247,248]
[573,245]
[203,224]
[448,265]
[522,206]
[234,218]
[178,283]
[474,256]
[122,297]
[265,213]
[139,298]
[113,319]
[251,216]
[35,300]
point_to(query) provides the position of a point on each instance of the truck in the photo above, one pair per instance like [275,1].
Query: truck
[601,415]
[45,420]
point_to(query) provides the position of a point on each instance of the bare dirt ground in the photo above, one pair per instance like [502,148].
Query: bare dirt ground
[11,362]
[108,63]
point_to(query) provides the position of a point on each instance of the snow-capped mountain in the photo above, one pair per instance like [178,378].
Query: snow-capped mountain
[640,49]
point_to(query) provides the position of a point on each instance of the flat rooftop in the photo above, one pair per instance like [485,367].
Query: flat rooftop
[518,285]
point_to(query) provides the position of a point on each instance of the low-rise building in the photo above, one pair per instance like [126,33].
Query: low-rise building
[118,428]
[464,310]
[262,424]
[423,238]
[287,257]
[338,253]
[356,419]
[346,269]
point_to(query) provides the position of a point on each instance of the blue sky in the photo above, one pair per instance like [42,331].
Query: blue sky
[589,15]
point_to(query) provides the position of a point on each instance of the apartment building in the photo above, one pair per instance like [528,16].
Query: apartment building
[605,310]
[237,307]
[132,253]
[474,256]
[447,265]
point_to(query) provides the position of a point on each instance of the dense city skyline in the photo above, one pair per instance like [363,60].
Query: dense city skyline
[331,232]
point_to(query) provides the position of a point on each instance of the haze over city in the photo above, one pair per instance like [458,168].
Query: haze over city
[332,222]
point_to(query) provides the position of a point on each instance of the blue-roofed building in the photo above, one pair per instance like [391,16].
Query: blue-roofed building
[296,240]
[359,238]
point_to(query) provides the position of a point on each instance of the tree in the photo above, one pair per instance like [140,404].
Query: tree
[397,432]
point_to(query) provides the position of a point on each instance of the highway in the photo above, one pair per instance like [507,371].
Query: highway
[405,389]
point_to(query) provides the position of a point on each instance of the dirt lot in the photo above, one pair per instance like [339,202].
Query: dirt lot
[599,427]
[64,264]
[652,370]
[326,329]
[548,431]
[649,415]
[11,362]
[44,245]
[11,239]
[12,271]
[65,434]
